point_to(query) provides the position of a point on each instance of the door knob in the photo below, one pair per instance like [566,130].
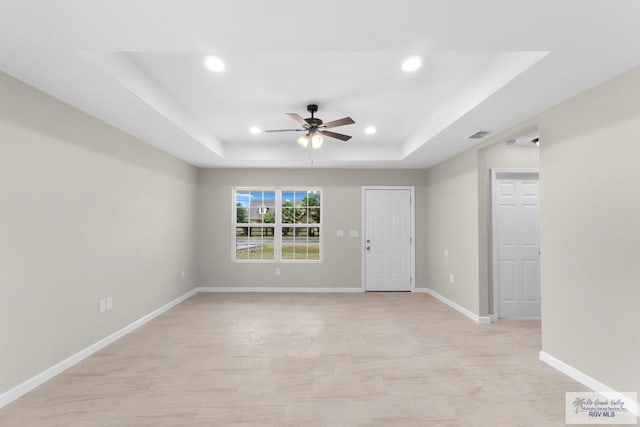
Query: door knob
[368,247]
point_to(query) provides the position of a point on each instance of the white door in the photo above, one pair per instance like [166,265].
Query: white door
[387,238]
[516,242]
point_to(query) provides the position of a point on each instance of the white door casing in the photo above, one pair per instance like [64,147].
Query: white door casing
[388,239]
[516,254]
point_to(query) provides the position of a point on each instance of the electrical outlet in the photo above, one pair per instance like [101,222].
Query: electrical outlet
[103,305]
[109,303]
[182,274]
[451,278]
[446,252]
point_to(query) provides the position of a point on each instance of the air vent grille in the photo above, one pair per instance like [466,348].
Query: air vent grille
[480,134]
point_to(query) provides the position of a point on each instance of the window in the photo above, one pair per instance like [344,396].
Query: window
[272,225]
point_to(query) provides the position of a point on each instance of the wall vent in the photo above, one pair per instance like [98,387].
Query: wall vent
[480,134]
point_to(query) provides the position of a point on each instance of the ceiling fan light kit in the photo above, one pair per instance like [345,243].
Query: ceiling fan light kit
[316,141]
[315,128]
[304,141]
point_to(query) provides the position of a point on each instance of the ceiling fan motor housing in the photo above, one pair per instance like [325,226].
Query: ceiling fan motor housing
[313,122]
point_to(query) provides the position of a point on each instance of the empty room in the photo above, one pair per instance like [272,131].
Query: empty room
[355,213]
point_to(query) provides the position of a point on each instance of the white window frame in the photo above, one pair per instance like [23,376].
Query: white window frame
[278,225]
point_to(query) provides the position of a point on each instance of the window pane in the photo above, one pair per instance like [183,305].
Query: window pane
[255,200]
[297,212]
[314,216]
[254,245]
[288,211]
[311,199]
[301,215]
[300,249]
[242,207]
[301,210]
[287,243]
[288,215]
[288,196]
[242,242]
[267,243]
[313,243]
[315,194]
[241,214]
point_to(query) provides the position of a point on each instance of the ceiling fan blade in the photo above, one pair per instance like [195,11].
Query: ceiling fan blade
[284,130]
[340,122]
[298,118]
[335,135]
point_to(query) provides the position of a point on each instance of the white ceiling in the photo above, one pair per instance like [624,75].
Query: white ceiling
[139,65]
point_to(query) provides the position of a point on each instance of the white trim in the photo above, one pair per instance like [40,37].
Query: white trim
[33,382]
[293,289]
[471,315]
[525,318]
[494,226]
[412,213]
[586,380]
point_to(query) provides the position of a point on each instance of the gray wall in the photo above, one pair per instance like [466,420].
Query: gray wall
[498,155]
[85,212]
[589,228]
[341,266]
[590,232]
[451,224]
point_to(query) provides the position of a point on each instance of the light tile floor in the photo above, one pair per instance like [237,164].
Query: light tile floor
[373,359]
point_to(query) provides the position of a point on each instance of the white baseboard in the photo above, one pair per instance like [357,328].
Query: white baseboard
[296,289]
[33,382]
[471,315]
[586,380]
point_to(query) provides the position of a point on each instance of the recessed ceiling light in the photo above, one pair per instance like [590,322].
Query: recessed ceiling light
[214,64]
[412,63]
[370,130]
[255,130]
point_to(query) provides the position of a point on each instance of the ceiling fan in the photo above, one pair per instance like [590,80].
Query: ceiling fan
[315,128]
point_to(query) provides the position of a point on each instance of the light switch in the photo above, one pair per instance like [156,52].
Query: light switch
[354,233]
[103,305]
[446,252]
[109,303]
[339,233]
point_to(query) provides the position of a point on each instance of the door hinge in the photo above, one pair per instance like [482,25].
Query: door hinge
[410,239]
[411,279]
